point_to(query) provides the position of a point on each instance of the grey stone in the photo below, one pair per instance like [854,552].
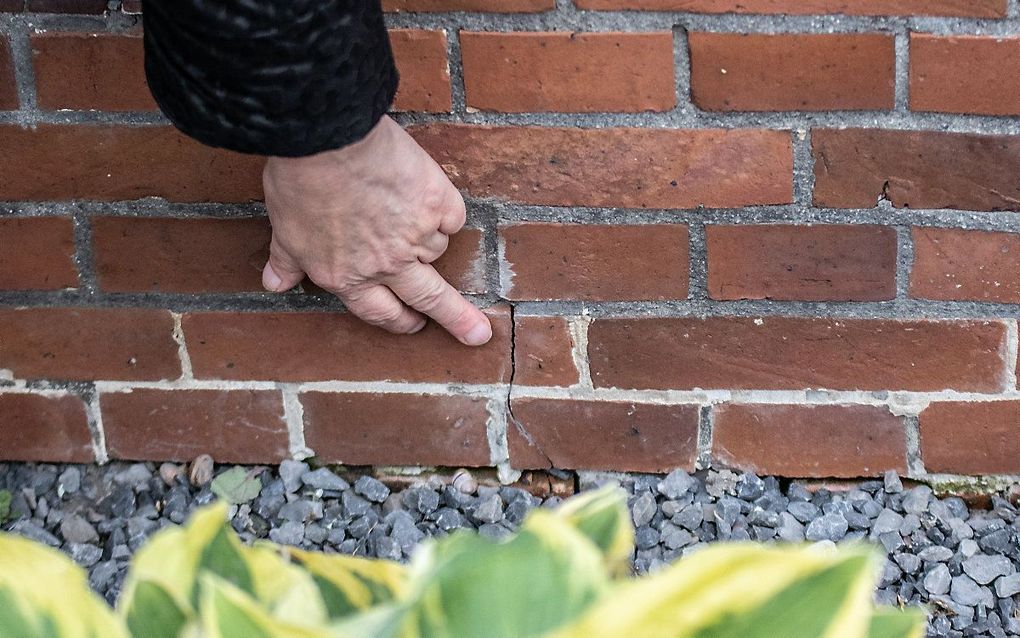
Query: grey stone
[749,487]
[291,472]
[887,521]
[937,580]
[909,563]
[915,500]
[727,510]
[790,529]
[1007,586]
[996,542]
[892,482]
[85,555]
[890,573]
[832,527]
[856,520]
[891,541]
[489,509]
[76,529]
[690,517]
[935,554]
[984,569]
[803,511]
[968,547]
[135,476]
[911,523]
[323,479]
[646,537]
[967,592]
[101,575]
[448,519]
[290,533]
[316,534]
[676,484]
[517,511]
[354,505]
[758,516]
[404,531]
[336,535]
[961,529]
[421,499]
[673,536]
[302,511]
[69,481]
[371,488]
[28,529]
[643,509]
[387,548]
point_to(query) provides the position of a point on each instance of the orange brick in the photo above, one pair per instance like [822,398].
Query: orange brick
[424,72]
[37,253]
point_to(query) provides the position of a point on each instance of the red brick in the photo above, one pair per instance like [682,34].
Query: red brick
[965,265]
[600,435]
[543,352]
[807,263]
[792,72]
[809,440]
[596,263]
[85,344]
[786,353]
[965,74]
[521,72]
[108,163]
[233,426]
[463,263]
[916,169]
[424,71]
[38,253]
[329,346]
[396,429]
[181,255]
[8,88]
[36,427]
[12,6]
[959,8]
[131,6]
[90,71]
[625,167]
[971,438]
[493,6]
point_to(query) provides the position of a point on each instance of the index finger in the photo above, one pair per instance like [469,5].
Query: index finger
[425,290]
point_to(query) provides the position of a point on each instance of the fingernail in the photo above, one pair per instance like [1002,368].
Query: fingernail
[419,327]
[270,279]
[478,335]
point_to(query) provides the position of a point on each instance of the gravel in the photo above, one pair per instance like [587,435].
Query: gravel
[963,563]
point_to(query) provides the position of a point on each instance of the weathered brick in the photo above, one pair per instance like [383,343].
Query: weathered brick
[601,435]
[977,437]
[594,262]
[965,74]
[965,265]
[809,440]
[37,253]
[108,163]
[330,346]
[233,426]
[792,72]
[8,88]
[84,344]
[625,167]
[181,255]
[543,352]
[424,72]
[90,71]
[12,6]
[493,6]
[546,71]
[807,263]
[396,429]
[854,168]
[784,353]
[960,8]
[35,427]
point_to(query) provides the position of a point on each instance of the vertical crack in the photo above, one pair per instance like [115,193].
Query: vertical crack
[512,420]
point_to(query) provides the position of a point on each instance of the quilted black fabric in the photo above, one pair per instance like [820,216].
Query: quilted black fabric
[273,77]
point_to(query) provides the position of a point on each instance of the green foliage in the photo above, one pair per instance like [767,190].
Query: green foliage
[236,486]
[563,575]
[5,505]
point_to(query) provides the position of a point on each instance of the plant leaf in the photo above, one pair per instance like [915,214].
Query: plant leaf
[43,593]
[888,622]
[236,486]
[602,516]
[5,505]
[229,612]
[349,584]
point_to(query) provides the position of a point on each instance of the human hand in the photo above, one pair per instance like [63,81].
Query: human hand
[364,222]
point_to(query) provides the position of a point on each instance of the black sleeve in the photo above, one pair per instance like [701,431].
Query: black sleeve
[273,77]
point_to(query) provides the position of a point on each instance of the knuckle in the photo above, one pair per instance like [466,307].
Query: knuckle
[429,296]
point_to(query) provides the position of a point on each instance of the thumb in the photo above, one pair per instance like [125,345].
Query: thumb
[280,273]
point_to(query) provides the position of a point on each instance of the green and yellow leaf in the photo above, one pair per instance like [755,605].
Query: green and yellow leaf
[348,584]
[602,516]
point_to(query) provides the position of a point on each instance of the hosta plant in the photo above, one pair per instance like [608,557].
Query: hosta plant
[564,575]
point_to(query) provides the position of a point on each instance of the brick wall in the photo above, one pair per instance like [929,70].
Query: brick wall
[706,233]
